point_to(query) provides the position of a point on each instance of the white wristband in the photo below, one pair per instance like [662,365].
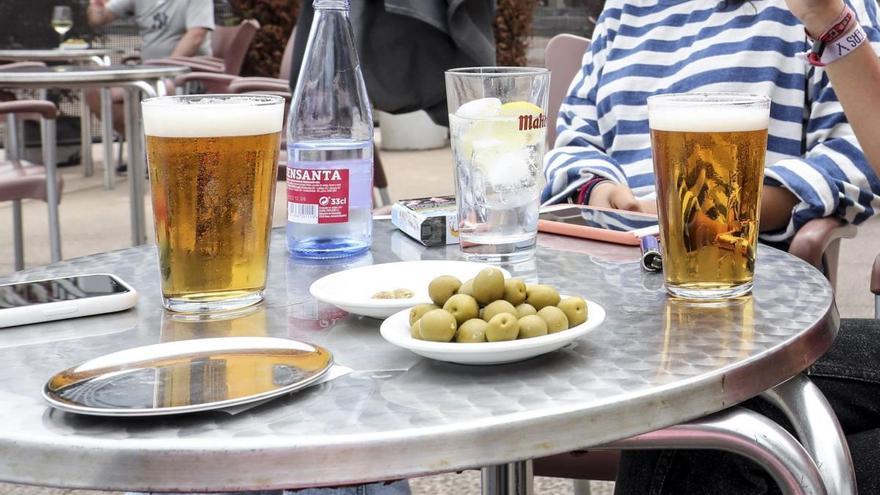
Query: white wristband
[844,45]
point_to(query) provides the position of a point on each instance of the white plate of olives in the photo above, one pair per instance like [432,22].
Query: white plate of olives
[379,291]
[490,320]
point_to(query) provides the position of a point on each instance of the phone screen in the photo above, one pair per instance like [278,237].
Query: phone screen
[617,220]
[22,294]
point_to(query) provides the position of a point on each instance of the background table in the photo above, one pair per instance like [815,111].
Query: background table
[653,363]
[97,56]
[136,80]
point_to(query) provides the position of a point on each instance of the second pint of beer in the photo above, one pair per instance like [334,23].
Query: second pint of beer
[708,152]
[213,163]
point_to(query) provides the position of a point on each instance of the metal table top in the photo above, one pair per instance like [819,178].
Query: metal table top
[53,55]
[73,75]
[653,363]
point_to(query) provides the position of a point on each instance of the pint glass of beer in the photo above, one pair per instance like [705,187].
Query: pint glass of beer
[212,161]
[708,154]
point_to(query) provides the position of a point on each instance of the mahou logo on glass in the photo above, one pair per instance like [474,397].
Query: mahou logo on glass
[317,196]
[528,122]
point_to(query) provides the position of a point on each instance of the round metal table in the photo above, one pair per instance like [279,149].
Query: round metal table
[137,81]
[654,363]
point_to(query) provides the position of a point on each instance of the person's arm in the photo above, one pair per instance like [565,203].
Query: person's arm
[190,43]
[856,77]
[98,14]
[199,21]
[833,177]
[579,154]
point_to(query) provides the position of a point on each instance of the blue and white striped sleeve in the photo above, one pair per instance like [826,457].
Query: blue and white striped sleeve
[833,178]
[579,150]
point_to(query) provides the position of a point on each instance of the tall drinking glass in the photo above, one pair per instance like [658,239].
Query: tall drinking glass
[212,163]
[709,165]
[497,122]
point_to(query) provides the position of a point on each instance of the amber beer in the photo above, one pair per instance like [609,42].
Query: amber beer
[212,167]
[708,154]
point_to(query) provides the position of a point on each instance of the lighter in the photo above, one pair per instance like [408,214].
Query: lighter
[652,260]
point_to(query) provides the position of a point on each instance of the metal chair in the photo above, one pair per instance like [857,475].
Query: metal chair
[562,56]
[23,180]
[817,243]
[875,286]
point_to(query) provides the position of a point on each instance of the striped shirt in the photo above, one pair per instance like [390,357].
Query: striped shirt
[645,47]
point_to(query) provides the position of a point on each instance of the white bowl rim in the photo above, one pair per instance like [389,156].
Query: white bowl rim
[395,322]
[379,303]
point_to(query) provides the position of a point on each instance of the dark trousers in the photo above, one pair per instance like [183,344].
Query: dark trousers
[849,376]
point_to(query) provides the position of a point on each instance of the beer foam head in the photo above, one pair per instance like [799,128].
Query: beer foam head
[213,115]
[708,113]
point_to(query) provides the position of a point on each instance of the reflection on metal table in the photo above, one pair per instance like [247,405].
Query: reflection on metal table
[136,80]
[654,363]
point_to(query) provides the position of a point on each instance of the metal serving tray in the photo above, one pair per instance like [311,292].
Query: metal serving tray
[187,376]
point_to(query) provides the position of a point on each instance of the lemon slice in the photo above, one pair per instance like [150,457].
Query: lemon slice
[517,108]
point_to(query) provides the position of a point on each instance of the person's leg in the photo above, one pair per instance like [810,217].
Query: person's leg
[93,99]
[848,375]
[697,472]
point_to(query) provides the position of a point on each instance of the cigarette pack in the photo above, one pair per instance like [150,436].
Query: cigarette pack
[431,221]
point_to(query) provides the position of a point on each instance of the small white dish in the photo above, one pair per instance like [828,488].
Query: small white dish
[353,290]
[396,331]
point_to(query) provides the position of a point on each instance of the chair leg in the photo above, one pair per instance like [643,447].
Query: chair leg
[107,138]
[121,148]
[582,487]
[380,181]
[85,124]
[50,153]
[17,235]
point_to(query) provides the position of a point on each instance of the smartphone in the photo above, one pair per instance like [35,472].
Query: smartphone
[36,301]
[601,224]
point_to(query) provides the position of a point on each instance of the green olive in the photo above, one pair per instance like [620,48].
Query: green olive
[555,319]
[415,330]
[502,327]
[442,288]
[525,309]
[496,308]
[488,285]
[473,330]
[437,325]
[541,296]
[532,326]
[463,307]
[467,288]
[514,291]
[575,309]
[420,309]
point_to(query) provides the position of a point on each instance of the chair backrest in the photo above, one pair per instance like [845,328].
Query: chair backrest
[286,59]
[563,57]
[16,65]
[231,43]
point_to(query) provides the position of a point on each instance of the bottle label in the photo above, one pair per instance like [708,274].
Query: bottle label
[317,196]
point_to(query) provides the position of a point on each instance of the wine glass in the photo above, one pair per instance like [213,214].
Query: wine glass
[62,21]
